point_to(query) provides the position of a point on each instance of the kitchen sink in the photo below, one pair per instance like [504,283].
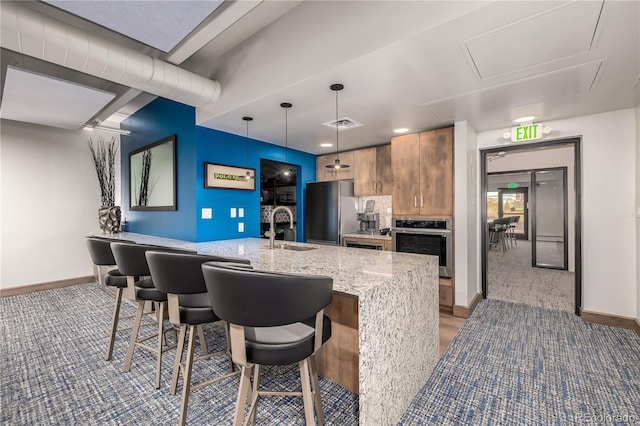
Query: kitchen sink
[295,248]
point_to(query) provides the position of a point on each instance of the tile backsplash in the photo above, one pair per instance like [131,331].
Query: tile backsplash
[382,206]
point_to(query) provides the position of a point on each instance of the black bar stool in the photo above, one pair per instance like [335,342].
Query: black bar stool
[132,262]
[274,319]
[101,255]
[180,276]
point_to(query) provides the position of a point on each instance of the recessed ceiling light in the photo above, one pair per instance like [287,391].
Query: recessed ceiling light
[326,145]
[401,130]
[526,119]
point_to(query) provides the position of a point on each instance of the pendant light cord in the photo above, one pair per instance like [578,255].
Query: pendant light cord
[337,143]
[286,133]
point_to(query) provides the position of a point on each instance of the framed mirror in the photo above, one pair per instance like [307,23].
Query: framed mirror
[152,176]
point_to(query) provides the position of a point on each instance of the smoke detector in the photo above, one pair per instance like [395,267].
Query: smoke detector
[344,123]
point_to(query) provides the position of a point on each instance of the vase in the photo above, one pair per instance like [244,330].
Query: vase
[109,219]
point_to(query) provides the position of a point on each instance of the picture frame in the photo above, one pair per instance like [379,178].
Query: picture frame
[222,176]
[152,176]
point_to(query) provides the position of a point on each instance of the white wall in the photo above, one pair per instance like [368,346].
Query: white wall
[466,215]
[638,213]
[609,257]
[49,198]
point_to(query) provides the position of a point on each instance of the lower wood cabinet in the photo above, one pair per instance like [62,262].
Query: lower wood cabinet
[446,294]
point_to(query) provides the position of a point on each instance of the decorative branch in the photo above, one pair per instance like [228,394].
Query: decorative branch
[104,156]
[145,173]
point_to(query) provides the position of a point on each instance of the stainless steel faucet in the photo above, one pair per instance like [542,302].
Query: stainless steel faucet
[272,232]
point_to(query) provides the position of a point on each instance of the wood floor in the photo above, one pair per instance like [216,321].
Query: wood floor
[449,326]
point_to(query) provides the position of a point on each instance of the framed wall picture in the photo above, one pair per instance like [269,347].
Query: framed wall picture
[152,176]
[229,177]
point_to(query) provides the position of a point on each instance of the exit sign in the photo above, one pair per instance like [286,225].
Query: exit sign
[528,132]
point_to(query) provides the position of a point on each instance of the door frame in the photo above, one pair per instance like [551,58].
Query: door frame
[577,171]
[565,219]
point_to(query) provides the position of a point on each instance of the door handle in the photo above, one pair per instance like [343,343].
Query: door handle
[415,201]
[380,186]
[375,188]
[422,201]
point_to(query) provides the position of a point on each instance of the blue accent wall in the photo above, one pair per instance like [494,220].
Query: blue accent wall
[225,148]
[157,120]
[195,146]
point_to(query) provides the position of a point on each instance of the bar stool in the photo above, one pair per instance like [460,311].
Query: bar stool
[274,319]
[180,276]
[101,255]
[512,228]
[132,262]
[497,232]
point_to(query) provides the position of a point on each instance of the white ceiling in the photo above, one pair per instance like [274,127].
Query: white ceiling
[415,64]
[39,99]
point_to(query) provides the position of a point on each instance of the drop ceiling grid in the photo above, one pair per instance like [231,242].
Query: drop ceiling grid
[534,40]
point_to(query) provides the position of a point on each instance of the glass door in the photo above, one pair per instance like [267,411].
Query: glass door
[515,202]
[549,225]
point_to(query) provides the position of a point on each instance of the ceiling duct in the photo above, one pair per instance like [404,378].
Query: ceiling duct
[26,31]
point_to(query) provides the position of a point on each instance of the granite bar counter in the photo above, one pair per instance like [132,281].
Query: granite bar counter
[395,303]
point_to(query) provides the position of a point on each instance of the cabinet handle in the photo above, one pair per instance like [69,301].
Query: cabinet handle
[380,186]
[374,186]
[415,201]
[422,201]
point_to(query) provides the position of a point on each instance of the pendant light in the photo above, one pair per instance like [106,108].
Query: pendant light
[286,106]
[336,164]
[247,175]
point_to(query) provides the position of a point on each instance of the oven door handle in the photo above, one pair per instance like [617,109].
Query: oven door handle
[441,232]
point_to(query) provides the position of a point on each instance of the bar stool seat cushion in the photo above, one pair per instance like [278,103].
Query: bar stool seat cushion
[116,279]
[196,309]
[145,290]
[285,344]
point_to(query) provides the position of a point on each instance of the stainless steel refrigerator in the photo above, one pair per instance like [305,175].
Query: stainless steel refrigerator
[331,210]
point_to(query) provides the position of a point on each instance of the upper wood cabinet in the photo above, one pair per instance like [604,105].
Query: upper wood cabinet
[422,167]
[373,171]
[324,174]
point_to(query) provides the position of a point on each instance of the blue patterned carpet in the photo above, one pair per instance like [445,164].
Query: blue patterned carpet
[53,372]
[510,364]
[513,364]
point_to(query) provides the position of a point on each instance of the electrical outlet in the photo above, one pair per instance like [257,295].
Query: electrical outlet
[233,212]
[207,213]
[240,226]
[241,212]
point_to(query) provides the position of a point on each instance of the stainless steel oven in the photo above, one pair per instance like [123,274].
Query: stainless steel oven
[425,236]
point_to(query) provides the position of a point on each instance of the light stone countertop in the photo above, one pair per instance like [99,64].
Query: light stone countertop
[398,311]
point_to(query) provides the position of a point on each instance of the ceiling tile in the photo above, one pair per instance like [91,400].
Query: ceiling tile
[39,99]
[557,33]
[159,24]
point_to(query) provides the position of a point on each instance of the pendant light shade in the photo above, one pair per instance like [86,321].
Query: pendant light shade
[247,120]
[336,164]
[286,106]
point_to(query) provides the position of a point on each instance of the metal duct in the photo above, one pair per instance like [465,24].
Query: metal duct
[26,31]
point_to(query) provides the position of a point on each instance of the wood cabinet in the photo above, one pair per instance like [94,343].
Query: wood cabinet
[446,294]
[325,174]
[422,165]
[373,171]
[387,244]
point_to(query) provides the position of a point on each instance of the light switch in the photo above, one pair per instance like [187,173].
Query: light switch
[207,213]
[233,212]
[240,226]
[241,212]
[388,209]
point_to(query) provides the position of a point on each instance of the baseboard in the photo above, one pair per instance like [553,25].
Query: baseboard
[14,291]
[466,311]
[612,320]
